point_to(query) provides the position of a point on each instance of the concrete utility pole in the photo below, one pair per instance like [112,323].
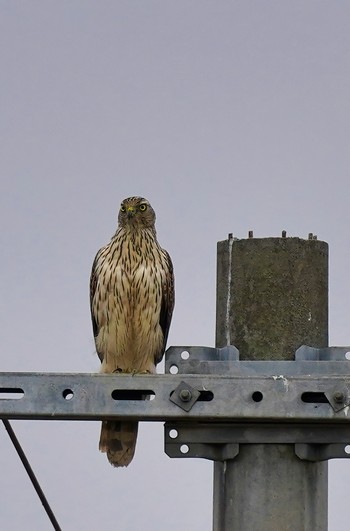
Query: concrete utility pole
[272,297]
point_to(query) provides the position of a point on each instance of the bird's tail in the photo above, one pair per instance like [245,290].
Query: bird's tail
[118,440]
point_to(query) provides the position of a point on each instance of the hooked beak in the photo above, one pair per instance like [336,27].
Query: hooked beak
[130,211]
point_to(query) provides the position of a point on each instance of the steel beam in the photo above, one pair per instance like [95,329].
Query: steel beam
[251,397]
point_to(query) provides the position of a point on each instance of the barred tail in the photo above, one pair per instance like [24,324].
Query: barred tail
[118,440]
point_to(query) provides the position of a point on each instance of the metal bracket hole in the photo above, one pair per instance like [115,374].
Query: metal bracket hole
[347,355]
[67,394]
[184,448]
[174,369]
[314,398]
[205,396]
[185,355]
[12,393]
[347,449]
[173,434]
[257,396]
[133,394]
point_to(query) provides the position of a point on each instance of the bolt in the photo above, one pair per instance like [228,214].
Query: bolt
[338,397]
[185,395]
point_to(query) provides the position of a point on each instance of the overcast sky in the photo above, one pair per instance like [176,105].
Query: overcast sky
[228,116]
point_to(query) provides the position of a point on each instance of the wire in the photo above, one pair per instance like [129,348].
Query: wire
[31,475]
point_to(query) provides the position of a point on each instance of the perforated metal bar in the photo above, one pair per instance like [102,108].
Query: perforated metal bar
[234,398]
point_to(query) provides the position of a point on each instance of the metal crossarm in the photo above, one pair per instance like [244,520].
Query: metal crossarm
[219,403]
[259,398]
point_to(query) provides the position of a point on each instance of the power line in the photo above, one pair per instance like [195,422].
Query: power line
[31,474]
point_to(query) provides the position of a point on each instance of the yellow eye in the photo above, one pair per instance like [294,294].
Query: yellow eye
[143,207]
[122,208]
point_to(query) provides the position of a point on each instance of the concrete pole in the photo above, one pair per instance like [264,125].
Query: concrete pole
[272,297]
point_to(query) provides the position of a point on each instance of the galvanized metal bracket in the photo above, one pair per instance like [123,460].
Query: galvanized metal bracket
[314,441]
[182,441]
[308,353]
[322,452]
[220,442]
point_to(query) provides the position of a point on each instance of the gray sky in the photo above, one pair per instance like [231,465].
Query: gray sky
[227,116]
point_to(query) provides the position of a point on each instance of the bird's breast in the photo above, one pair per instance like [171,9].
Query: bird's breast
[131,288]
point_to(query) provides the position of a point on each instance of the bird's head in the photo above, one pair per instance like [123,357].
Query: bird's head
[136,213]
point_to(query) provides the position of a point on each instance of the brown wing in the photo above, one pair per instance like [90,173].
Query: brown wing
[93,286]
[168,301]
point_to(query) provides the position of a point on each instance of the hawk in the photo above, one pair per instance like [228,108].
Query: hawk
[131,301]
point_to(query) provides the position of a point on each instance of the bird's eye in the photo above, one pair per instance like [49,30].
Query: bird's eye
[143,207]
[122,208]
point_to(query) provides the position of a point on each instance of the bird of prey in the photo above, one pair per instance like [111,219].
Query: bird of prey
[131,301]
